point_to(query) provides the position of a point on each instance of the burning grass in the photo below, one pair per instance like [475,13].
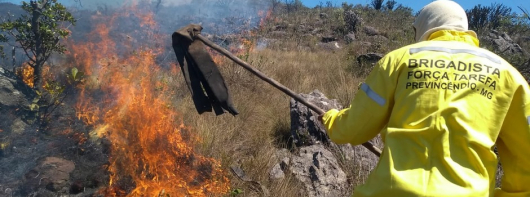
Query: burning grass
[159,145]
[152,151]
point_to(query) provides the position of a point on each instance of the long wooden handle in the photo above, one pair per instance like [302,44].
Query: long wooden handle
[274,83]
[260,74]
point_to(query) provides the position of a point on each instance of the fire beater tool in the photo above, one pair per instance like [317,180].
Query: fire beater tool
[192,33]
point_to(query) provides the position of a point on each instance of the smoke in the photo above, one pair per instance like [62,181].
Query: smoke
[222,16]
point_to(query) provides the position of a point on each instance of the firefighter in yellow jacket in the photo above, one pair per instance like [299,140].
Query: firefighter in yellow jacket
[441,105]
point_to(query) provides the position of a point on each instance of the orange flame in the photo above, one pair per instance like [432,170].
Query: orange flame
[265,17]
[126,102]
[26,73]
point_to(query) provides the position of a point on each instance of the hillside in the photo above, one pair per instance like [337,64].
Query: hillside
[131,128]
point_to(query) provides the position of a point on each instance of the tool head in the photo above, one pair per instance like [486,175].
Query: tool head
[188,32]
[202,76]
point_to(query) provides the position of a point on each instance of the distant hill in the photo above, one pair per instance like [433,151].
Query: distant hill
[7,9]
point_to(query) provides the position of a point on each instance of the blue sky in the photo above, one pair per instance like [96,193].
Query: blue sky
[414,4]
[418,4]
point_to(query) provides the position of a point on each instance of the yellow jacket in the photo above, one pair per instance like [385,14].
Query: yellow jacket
[441,106]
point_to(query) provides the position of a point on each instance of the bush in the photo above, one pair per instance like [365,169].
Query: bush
[389,5]
[377,4]
[491,17]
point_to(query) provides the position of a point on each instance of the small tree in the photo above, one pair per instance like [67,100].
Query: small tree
[390,4]
[39,31]
[377,4]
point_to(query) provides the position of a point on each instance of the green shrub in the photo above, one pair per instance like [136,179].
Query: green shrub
[491,17]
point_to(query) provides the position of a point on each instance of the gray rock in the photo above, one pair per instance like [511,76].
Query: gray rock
[330,46]
[378,39]
[369,58]
[319,171]
[317,31]
[303,29]
[14,93]
[328,38]
[350,37]
[305,127]
[277,172]
[316,166]
[323,15]
[285,163]
[502,43]
[16,116]
[51,173]
[371,31]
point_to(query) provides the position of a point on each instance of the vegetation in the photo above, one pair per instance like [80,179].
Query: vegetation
[251,139]
[377,4]
[38,32]
[294,56]
[488,17]
[2,39]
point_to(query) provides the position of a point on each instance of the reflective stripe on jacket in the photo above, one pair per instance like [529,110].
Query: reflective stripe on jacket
[441,106]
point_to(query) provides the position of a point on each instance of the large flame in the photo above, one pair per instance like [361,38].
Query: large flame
[125,98]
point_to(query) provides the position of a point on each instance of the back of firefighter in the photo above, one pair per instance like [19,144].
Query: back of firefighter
[441,105]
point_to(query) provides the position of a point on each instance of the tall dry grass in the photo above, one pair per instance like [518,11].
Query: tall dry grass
[252,139]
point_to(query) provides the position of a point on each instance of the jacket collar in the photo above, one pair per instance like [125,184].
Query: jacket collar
[451,35]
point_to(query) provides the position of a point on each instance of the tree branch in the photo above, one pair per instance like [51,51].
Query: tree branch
[525,12]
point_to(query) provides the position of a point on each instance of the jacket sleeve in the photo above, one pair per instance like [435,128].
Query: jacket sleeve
[369,111]
[513,145]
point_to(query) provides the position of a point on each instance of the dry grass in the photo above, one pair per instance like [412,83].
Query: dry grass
[251,139]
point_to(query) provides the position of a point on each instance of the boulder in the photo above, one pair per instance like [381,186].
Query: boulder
[278,170]
[369,58]
[319,171]
[307,131]
[350,37]
[51,173]
[305,127]
[328,38]
[330,46]
[371,31]
[15,100]
[502,43]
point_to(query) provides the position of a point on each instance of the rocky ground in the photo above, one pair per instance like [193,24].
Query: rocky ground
[48,162]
